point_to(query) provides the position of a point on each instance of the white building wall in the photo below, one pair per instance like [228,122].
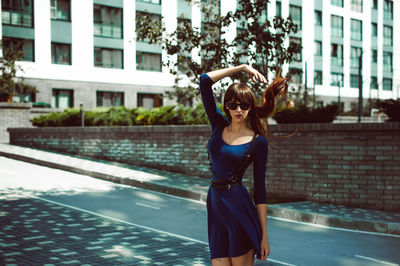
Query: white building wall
[82,69]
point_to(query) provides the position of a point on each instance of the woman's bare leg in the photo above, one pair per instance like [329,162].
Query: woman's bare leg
[244,260]
[221,262]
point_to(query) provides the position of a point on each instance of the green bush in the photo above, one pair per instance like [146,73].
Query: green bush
[122,116]
[390,107]
[303,114]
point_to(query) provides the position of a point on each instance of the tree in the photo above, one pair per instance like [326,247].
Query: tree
[260,42]
[9,83]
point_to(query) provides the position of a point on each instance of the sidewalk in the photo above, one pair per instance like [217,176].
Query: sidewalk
[196,188]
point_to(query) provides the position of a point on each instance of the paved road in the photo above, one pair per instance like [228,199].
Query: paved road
[52,216]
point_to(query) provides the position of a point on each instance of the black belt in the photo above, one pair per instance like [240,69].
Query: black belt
[224,185]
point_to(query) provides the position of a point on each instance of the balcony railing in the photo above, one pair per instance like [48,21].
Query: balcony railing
[110,31]
[16,18]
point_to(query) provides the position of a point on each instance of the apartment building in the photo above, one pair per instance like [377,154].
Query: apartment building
[85,52]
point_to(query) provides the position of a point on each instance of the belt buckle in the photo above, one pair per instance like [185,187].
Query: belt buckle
[228,186]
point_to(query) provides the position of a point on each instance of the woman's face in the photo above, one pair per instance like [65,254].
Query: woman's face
[238,110]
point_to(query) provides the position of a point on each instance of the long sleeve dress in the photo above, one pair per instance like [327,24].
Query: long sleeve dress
[233,223]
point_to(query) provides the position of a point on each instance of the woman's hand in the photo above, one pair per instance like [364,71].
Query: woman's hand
[264,248]
[254,74]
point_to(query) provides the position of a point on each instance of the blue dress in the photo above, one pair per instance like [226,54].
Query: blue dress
[233,223]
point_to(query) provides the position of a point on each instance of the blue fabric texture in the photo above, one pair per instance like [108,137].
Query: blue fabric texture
[233,224]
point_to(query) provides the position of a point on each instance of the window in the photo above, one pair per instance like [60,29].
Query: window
[278,11]
[317,77]
[156,2]
[148,61]
[109,98]
[336,26]
[183,63]
[374,83]
[387,35]
[154,18]
[353,81]
[337,79]
[149,101]
[107,21]
[104,57]
[387,62]
[336,54]
[374,29]
[26,46]
[60,10]
[338,3]
[60,53]
[356,5]
[296,42]
[356,30]
[388,9]
[374,54]
[317,18]
[24,98]
[375,4]
[17,13]
[387,84]
[295,14]
[355,53]
[317,48]
[295,75]
[62,98]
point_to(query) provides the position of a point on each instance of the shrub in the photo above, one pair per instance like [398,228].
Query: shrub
[303,114]
[390,107]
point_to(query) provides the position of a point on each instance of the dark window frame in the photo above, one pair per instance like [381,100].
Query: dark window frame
[18,10]
[56,93]
[15,43]
[157,97]
[108,49]
[151,68]
[98,23]
[68,19]
[54,52]
[114,95]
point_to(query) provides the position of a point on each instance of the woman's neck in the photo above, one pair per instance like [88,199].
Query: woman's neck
[237,127]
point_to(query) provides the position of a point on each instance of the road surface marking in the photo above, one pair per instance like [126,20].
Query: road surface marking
[334,228]
[147,206]
[8,172]
[378,261]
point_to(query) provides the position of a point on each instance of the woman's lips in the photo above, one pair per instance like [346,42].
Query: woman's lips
[238,116]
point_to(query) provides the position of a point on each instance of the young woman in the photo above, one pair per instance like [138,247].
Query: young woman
[237,228]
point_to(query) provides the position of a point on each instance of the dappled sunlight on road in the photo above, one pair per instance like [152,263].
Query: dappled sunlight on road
[47,181]
[148,196]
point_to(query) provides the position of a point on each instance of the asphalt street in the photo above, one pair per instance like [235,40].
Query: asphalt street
[171,230]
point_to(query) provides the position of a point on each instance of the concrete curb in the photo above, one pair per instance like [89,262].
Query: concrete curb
[275,210]
[334,221]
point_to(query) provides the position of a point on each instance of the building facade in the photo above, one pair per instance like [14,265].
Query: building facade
[85,52]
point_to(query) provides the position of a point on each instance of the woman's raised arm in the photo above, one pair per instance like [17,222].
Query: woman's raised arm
[222,73]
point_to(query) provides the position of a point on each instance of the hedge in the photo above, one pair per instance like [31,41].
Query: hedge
[168,115]
[122,116]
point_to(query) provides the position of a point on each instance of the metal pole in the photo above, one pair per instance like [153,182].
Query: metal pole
[360,92]
[305,87]
[82,116]
[340,107]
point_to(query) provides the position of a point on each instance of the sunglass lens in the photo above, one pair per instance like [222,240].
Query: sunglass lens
[232,105]
[244,106]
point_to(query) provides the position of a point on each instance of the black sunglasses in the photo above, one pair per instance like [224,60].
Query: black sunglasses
[233,105]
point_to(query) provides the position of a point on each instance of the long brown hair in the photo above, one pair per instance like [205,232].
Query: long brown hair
[258,113]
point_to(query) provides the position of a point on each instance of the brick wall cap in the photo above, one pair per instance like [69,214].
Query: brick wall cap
[5,105]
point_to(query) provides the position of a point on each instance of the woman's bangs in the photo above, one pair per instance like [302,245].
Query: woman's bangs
[242,94]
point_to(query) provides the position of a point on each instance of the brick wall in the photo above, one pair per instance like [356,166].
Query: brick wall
[352,164]
[13,115]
